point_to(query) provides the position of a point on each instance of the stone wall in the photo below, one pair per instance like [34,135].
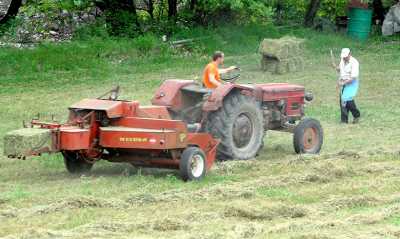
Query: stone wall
[57,25]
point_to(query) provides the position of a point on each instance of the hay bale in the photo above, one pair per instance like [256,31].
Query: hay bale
[282,55]
[276,66]
[269,64]
[282,48]
[22,142]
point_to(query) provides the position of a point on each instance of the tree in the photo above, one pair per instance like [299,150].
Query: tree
[121,16]
[150,8]
[172,9]
[279,12]
[312,10]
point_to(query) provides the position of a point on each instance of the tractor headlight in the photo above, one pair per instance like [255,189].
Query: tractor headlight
[308,96]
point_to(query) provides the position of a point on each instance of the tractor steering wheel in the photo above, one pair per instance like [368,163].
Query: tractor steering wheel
[232,78]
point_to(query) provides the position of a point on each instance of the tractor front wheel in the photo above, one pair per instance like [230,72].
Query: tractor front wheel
[192,165]
[75,162]
[308,137]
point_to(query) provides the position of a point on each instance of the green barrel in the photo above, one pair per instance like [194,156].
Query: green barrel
[359,23]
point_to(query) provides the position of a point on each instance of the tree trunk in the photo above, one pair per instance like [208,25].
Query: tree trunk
[379,11]
[114,9]
[279,12]
[312,10]
[172,9]
[192,5]
[150,6]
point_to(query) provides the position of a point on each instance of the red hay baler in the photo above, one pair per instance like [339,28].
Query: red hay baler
[186,127]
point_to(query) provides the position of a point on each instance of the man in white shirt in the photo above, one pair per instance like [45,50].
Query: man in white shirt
[349,70]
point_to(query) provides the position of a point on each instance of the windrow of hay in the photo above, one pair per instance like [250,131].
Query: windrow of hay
[282,55]
[353,202]
[65,204]
[266,213]
[375,217]
[327,172]
[308,225]
[323,172]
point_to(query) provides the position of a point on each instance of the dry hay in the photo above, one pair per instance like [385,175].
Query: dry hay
[352,202]
[67,204]
[166,224]
[266,213]
[375,217]
[22,141]
[310,224]
[275,66]
[326,172]
[283,48]
[227,191]
[246,230]
[233,166]
[282,55]
[147,198]
[311,236]
[78,203]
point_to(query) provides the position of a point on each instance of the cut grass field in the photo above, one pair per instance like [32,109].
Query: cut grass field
[350,190]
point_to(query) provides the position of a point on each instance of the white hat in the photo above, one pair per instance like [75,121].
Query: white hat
[345,52]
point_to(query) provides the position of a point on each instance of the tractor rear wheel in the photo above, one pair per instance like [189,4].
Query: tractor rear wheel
[192,165]
[239,126]
[308,137]
[75,162]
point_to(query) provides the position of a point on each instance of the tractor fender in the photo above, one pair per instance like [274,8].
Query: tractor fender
[215,100]
[169,94]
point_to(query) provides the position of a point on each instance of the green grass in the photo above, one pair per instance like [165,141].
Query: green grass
[349,191]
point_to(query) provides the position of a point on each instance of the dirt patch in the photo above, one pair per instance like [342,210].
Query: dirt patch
[266,213]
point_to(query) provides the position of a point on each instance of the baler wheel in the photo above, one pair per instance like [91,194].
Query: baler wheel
[239,126]
[308,137]
[192,165]
[75,162]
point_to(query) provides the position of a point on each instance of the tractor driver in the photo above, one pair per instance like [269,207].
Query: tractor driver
[211,74]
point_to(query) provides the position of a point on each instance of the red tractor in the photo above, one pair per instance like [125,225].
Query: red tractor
[186,128]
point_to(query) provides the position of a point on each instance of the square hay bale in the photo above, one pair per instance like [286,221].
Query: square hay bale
[283,66]
[283,48]
[22,142]
[269,64]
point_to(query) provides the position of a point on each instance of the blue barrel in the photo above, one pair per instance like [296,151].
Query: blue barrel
[359,25]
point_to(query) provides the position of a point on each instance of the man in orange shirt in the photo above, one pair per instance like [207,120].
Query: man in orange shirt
[211,74]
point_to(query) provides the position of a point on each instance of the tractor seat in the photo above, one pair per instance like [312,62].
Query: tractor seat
[196,89]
